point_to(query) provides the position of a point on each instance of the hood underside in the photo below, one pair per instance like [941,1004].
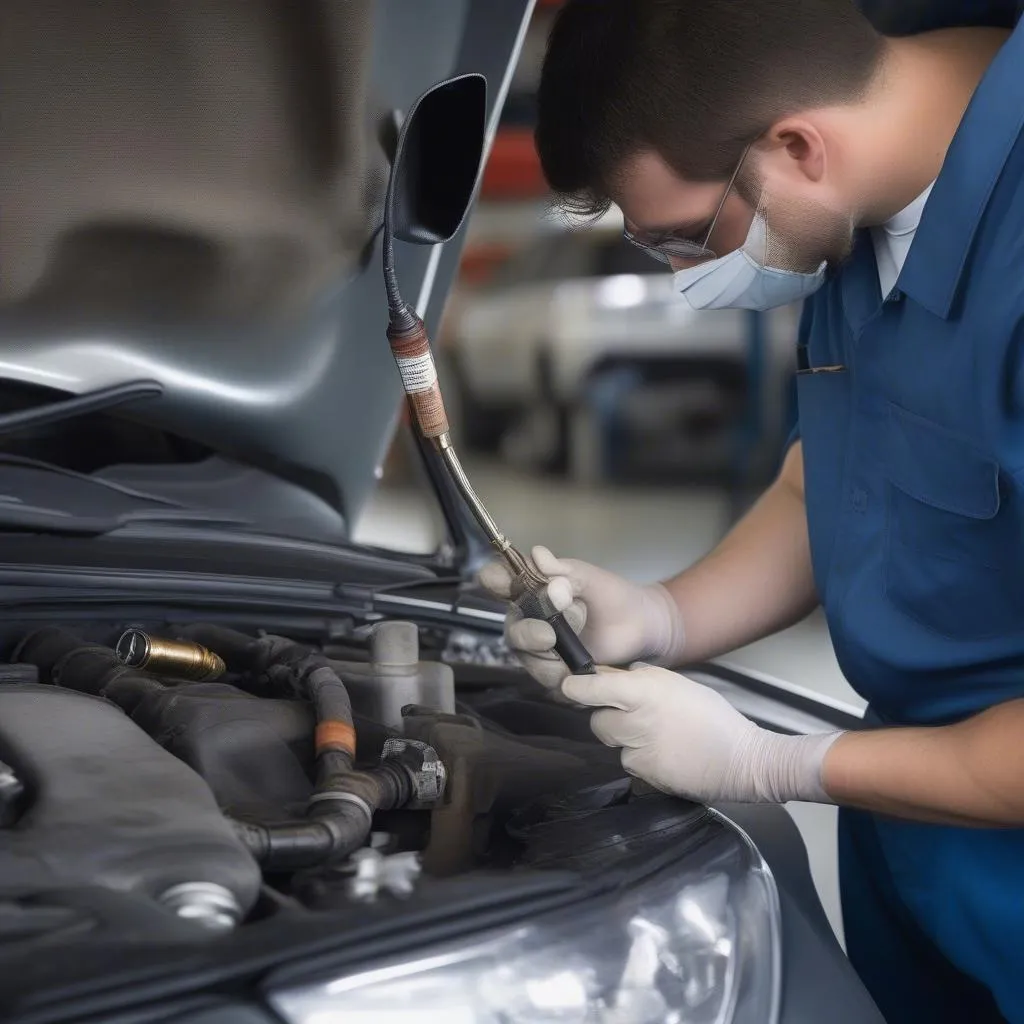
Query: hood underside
[192,193]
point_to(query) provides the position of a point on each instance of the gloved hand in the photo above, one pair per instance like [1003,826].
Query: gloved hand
[617,621]
[687,739]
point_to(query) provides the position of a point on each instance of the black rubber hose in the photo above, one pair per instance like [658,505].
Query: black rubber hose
[239,652]
[64,659]
[307,673]
[285,667]
[288,846]
[97,670]
[337,826]
[45,647]
[340,812]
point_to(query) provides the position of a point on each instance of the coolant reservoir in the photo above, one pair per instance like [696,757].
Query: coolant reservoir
[398,678]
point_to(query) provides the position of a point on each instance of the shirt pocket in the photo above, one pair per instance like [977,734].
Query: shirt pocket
[953,546]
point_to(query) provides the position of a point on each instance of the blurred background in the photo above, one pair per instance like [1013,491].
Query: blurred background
[598,416]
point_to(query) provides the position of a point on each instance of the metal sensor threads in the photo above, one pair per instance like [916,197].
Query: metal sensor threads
[180,659]
[208,904]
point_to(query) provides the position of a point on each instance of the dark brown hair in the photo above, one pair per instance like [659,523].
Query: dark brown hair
[694,80]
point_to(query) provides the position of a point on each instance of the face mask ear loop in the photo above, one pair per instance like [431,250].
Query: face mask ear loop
[725,196]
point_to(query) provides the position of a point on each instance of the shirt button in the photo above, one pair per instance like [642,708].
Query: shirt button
[860,499]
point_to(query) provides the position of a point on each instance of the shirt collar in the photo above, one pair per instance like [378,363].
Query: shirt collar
[991,126]
[906,222]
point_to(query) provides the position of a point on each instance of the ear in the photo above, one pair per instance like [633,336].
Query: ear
[793,151]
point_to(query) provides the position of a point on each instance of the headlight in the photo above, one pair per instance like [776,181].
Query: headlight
[695,945]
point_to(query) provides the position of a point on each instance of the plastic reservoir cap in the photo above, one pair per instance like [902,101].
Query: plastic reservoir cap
[395,643]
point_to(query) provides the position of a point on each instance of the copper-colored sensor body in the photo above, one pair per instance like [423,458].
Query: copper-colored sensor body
[180,659]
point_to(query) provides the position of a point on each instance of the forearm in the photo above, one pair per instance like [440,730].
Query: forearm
[758,580]
[969,774]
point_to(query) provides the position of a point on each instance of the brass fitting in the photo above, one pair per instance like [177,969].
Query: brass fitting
[180,659]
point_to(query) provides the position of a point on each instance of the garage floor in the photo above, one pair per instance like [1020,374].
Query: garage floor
[643,534]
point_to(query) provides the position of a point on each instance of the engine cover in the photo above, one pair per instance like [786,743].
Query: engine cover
[255,754]
[107,807]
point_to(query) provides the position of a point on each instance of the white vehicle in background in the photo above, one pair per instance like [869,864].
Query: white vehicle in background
[580,328]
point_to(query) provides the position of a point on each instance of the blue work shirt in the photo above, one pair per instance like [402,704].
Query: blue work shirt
[913,442]
[912,422]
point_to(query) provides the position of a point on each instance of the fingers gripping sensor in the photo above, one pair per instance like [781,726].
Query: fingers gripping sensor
[568,646]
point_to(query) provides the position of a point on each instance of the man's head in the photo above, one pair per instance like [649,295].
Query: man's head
[652,104]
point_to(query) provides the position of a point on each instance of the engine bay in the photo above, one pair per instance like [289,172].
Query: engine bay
[216,773]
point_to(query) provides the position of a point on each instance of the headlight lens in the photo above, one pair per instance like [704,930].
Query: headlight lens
[699,945]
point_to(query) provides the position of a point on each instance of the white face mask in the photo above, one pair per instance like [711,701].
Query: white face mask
[739,281]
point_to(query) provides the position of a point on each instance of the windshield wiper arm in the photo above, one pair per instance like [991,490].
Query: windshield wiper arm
[79,405]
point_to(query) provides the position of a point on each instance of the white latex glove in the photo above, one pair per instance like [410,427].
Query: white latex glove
[685,738]
[617,621]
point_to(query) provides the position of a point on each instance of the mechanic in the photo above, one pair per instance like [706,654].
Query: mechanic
[779,150]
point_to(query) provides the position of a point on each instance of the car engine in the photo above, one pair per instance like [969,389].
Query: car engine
[212,772]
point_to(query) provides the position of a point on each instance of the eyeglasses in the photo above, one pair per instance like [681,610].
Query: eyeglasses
[670,245]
